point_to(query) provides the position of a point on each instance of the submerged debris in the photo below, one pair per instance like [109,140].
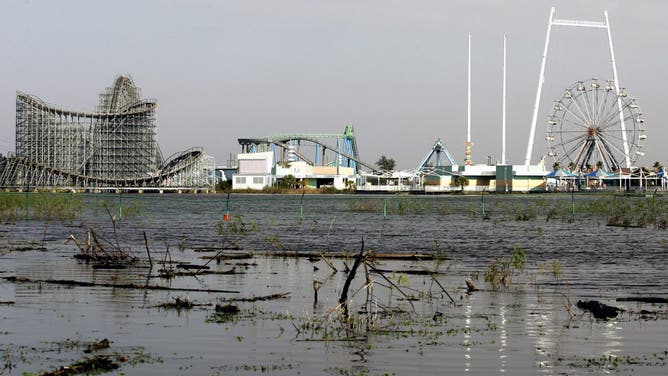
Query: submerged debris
[283,295]
[184,303]
[97,364]
[599,310]
[470,287]
[69,282]
[227,309]
[95,346]
[93,251]
[224,313]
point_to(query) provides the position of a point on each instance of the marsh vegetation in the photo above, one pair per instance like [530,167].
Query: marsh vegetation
[262,291]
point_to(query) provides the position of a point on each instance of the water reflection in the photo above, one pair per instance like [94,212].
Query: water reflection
[468,308]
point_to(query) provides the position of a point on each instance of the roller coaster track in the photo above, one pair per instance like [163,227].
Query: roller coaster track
[283,140]
[177,163]
[124,93]
[132,109]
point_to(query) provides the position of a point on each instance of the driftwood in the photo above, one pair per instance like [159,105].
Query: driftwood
[227,256]
[95,346]
[171,274]
[68,282]
[99,363]
[470,287]
[644,299]
[191,266]
[259,298]
[408,299]
[344,255]
[179,303]
[94,251]
[406,271]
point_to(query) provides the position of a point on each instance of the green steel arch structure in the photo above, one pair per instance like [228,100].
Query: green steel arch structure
[296,146]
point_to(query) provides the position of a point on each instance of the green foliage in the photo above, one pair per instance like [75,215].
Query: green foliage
[350,186]
[631,211]
[500,272]
[328,190]
[275,243]
[11,205]
[440,254]
[39,205]
[290,182]
[56,206]
[411,206]
[364,205]
[234,230]
[399,206]
[224,186]
[556,269]
[385,164]
[121,207]
[525,213]
[460,181]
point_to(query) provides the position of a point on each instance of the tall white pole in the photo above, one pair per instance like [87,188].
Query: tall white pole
[468,144]
[503,105]
[627,157]
[468,83]
[541,78]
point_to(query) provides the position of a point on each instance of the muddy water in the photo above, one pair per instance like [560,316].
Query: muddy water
[523,330]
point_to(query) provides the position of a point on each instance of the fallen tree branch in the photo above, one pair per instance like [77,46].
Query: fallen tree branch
[69,282]
[259,298]
[408,299]
[171,274]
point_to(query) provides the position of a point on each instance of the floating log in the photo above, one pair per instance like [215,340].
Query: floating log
[171,274]
[228,256]
[68,282]
[259,298]
[191,266]
[644,299]
[405,271]
[370,256]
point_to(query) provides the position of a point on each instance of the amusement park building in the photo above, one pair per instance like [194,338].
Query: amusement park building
[316,160]
[258,170]
[114,147]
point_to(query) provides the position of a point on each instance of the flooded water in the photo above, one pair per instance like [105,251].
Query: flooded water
[402,323]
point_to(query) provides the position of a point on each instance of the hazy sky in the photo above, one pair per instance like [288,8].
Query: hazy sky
[396,70]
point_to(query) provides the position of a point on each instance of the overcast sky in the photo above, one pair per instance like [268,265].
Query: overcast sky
[395,70]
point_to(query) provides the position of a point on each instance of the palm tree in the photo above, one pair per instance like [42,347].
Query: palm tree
[657,167]
[556,166]
[460,181]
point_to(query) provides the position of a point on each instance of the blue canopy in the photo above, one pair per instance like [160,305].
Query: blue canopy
[561,173]
[599,173]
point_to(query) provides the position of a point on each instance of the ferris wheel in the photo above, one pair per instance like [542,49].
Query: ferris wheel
[595,124]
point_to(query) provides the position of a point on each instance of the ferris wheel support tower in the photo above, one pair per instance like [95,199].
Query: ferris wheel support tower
[541,78]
